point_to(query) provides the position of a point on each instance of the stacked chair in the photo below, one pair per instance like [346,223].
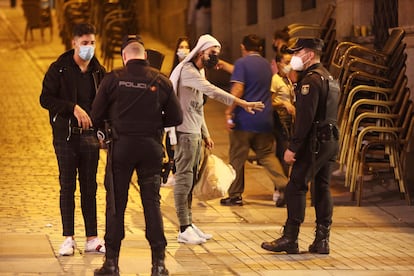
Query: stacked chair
[324,30]
[38,16]
[350,57]
[116,24]
[113,20]
[375,113]
[69,13]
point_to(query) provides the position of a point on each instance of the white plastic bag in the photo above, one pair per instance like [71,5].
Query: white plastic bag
[215,178]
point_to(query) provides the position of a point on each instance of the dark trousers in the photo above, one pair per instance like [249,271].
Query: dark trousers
[143,155]
[281,132]
[262,144]
[79,156]
[298,184]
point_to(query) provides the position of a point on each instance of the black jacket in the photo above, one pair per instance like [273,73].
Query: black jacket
[59,92]
[313,103]
[138,100]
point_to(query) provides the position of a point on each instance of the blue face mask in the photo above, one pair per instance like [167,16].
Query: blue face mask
[86,52]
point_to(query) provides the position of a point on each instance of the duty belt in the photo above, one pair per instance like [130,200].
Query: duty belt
[80,131]
[327,132]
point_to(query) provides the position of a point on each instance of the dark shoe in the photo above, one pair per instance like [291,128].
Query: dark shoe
[158,264]
[287,243]
[281,202]
[321,243]
[109,268]
[231,201]
[159,269]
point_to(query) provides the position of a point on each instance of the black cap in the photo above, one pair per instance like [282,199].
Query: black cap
[310,43]
[128,39]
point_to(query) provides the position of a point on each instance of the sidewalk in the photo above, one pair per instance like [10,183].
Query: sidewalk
[375,239]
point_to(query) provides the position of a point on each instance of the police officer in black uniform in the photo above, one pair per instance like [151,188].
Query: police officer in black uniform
[312,148]
[140,102]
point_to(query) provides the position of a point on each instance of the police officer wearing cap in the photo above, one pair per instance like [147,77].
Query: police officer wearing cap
[140,102]
[312,148]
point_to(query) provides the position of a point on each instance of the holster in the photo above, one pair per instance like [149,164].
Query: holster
[327,132]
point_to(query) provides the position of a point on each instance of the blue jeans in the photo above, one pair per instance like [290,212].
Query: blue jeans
[187,158]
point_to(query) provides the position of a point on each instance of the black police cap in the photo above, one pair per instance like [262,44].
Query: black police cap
[310,43]
[128,39]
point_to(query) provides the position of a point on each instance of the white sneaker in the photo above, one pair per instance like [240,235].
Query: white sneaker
[200,233]
[67,248]
[276,195]
[190,236]
[95,245]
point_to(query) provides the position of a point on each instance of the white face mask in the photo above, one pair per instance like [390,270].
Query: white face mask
[86,52]
[182,53]
[296,63]
[286,69]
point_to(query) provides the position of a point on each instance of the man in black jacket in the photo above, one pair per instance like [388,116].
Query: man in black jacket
[139,102]
[69,87]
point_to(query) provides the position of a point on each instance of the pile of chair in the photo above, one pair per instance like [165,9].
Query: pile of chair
[324,30]
[68,14]
[375,112]
[114,21]
[38,16]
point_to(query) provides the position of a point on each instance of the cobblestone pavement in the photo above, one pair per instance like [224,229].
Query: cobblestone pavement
[375,239]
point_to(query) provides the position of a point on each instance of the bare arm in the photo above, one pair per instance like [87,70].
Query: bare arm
[224,65]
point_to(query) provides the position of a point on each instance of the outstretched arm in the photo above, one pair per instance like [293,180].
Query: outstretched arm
[238,91]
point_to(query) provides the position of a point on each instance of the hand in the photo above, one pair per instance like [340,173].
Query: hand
[250,107]
[84,121]
[209,143]
[229,122]
[290,108]
[220,64]
[103,145]
[223,65]
[289,157]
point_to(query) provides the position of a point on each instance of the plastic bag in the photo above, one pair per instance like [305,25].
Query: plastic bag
[215,178]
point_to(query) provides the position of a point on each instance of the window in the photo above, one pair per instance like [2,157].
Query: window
[278,8]
[251,12]
[308,4]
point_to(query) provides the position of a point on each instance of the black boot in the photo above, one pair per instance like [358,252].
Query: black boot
[109,268]
[158,264]
[321,243]
[287,243]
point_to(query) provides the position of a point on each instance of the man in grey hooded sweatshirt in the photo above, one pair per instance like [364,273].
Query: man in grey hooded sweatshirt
[190,84]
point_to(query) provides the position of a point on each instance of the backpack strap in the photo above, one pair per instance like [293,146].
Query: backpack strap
[321,111]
